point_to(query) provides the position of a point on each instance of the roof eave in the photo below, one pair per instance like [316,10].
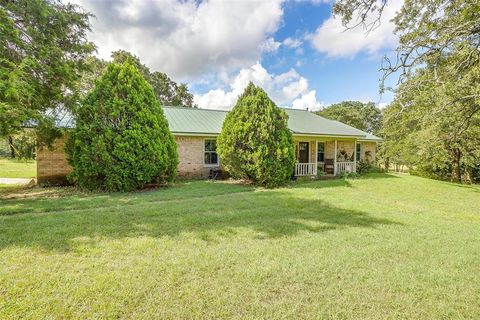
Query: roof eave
[323,135]
[195,134]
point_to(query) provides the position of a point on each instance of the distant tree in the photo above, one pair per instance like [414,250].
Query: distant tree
[168,92]
[94,69]
[121,140]
[43,45]
[23,144]
[255,142]
[433,126]
[363,116]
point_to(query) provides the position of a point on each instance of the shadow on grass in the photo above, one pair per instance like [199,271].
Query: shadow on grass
[40,200]
[266,213]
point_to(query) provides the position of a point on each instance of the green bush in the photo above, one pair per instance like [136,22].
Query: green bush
[366,166]
[255,142]
[363,167]
[121,139]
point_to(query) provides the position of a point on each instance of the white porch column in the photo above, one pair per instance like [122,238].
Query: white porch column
[316,156]
[335,160]
[355,156]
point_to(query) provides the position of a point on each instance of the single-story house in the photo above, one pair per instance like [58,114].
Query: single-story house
[320,144]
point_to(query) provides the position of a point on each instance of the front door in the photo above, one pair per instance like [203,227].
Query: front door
[303,152]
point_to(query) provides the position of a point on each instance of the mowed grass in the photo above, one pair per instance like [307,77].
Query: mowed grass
[13,168]
[380,247]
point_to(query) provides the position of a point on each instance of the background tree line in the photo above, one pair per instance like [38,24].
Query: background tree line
[433,124]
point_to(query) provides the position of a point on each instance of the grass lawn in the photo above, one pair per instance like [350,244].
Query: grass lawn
[12,168]
[380,247]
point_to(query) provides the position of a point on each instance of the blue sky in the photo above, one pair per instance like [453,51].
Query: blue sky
[334,78]
[301,55]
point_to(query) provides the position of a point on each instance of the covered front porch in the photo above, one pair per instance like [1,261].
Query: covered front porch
[331,156]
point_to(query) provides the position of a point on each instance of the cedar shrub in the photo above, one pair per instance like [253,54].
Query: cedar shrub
[255,142]
[121,140]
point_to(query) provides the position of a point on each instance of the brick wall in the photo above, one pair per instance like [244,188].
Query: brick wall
[370,147]
[52,164]
[191,157]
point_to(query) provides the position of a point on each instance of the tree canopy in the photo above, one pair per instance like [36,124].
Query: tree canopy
[43,46]
[427,30]
[255,142]
[121,140]
[363,116]
[433,125]
[168,92]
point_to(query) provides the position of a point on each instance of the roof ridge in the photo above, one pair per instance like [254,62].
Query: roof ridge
[291,108]
[192,108]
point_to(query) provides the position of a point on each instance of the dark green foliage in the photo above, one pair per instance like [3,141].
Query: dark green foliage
[255,142]
[168,92]
[363,116]
[121,140]
[433,127]
[43,44]
[4,148]
[363,167]
[366,166]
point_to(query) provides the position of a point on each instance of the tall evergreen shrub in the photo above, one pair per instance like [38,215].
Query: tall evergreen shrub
[121,139]
[255,142]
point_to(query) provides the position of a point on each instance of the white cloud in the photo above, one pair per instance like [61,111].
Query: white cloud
[308,101]
[270,45]
[383,105]
[292,42]
[288,88]
[187,38]
[332,38]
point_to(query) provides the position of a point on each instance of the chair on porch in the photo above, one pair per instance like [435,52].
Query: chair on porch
[329,166]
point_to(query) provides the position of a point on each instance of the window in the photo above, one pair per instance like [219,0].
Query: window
[358,150]
[321,151]
[210,157]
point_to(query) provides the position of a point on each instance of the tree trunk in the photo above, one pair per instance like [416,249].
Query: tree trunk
[387,164]
[467,176]
[10,145]
[456,155]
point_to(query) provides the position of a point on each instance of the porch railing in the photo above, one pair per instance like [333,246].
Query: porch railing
[347,166]
[305,169]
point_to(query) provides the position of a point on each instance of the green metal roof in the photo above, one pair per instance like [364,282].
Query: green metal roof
[372,137]
[195,121]
[308,123]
